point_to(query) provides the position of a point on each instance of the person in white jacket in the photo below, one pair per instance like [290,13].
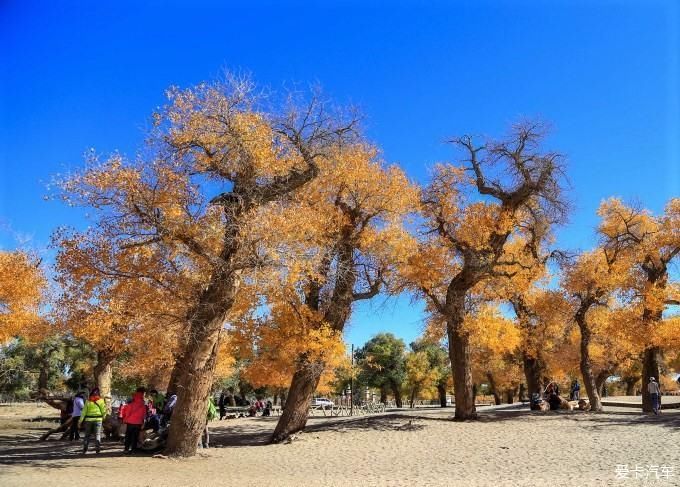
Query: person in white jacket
[78,404]
[655,394]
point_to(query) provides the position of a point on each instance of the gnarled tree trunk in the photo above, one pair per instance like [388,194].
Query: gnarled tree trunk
[396,391]
[196,373]
[534,370]
[102,376]
[441,391]
[295,413]
[586,365]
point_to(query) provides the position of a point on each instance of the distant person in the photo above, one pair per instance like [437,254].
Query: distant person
[575,391]
[654,394]
[78,405]
[222,404]
[133,418]
[94,412]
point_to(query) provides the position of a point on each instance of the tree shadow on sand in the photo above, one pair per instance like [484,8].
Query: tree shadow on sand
[27,450]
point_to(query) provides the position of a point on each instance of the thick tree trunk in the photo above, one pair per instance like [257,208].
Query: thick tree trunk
[176,374]
[396,391]
[493,390]
[510,396]
[650,368]
[295,413]
[630,385]
[194,385]
[441,390]
[586,366]
[102,377]
[534,370]
[459,353]
[383,394]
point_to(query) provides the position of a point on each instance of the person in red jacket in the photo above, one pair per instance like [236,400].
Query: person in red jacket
[134,415]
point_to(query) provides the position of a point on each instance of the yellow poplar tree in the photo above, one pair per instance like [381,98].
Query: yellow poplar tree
[651,243]
[472,211]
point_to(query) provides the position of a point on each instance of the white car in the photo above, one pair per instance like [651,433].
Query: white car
[322,402]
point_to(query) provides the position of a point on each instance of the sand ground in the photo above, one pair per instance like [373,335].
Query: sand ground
[506,447]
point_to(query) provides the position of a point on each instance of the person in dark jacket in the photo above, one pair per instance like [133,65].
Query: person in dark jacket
[134,417]
[222,404]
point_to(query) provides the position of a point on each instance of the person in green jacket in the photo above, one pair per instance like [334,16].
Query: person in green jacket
[93,414]
[212,414]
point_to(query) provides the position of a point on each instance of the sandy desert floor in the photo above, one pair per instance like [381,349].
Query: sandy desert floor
[508,446]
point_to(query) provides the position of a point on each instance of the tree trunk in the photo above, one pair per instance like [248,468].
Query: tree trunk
[534,370]
[586,366]
[601,380]
[383,394]
[43,378]
[414,391]
[199,355]
[510,396]
[396,390]
[522,391]
[441,390]
[194,385]
[630,385]
[459,353]
[102,377]
[295,413]
[492,387]
[176,374]
[650,368]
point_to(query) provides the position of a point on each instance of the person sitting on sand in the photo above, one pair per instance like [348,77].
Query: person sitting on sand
[93,414]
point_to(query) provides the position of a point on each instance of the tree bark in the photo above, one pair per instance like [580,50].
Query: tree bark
[441,390]
[586,364]
[396,391]
[383,394]
[534,370]
[459,353]
[176,374]
[196,373]
[630,385]
[650,368]
[493,390]
[295,413]
[102,376]
[510,396]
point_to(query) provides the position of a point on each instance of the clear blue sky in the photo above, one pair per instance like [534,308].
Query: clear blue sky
[75,75]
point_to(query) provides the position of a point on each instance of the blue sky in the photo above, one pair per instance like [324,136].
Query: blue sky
[75,75]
